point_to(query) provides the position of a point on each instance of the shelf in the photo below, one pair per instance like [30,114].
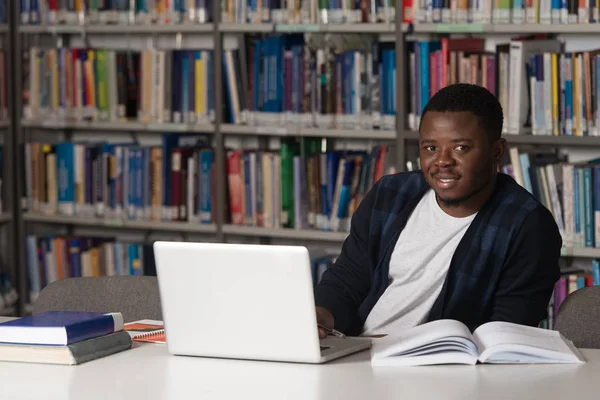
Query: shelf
[4,28]
[588,252]
[122,224]
[293,28]
[308,132]
[120,29]
[360,28]
[349,133]
[246,28]
[4,124]
[553,140]
[547,140]
[304,234]
[505,28]
[119,126]
[116,29]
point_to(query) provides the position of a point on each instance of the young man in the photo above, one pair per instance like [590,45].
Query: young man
[456,240]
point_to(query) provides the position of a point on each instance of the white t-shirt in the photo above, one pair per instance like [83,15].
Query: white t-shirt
[418,267]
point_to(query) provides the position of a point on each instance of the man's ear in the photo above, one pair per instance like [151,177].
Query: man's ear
[499,150]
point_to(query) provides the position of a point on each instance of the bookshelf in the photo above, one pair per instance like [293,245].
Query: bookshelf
[216,36]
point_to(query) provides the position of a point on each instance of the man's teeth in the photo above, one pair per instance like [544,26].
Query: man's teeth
[448,180]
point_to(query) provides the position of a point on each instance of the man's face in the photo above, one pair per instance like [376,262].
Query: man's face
[457,159]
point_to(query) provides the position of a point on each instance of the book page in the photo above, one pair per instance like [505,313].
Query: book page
[443,330]
[526,343]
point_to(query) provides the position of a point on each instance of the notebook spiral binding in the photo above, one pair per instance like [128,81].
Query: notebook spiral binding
[149,335]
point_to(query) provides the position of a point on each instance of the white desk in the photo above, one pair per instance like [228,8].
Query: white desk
[148,372]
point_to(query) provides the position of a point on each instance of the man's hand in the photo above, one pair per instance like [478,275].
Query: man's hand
[324,318]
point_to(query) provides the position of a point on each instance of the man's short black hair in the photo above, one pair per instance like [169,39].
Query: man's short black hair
[476,99]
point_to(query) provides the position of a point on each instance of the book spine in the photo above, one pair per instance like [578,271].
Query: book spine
[104,325]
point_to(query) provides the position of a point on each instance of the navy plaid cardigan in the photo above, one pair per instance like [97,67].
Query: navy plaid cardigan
[503,269]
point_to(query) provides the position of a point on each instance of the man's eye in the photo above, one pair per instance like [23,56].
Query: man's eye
[462,148]
[430,148]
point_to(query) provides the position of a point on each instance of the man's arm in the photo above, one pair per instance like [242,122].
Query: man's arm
[346,283]
[527,282]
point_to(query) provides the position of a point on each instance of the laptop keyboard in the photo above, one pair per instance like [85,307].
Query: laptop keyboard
[323,348]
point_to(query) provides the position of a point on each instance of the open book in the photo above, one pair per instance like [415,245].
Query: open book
[451,342]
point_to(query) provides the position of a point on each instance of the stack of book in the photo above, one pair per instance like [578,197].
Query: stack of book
[63,337]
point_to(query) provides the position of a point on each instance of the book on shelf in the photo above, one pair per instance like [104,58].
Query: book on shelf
[302,185]
[571,281]
[285,80]
[451,342]
[301,189]
[52,258]
[542,89]
[164,12]
[309,82]
[154,86]
[568,189]
[500,12]
[308,12]
[161,12]
[171,182]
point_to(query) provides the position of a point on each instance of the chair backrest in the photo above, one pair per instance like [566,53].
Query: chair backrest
[136,297]
[578,317]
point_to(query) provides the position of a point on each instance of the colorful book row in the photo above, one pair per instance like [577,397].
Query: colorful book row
[433,65]
[568,283]
[308,11]
[289,80]
[52,258]
[296,189]
[502,12]
[154,86]
[166,12]
[542,89]
[171,182]
[571,191]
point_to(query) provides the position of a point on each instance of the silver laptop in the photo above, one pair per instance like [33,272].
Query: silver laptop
[243,301]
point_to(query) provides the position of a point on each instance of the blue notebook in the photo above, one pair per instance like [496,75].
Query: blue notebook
[59,328]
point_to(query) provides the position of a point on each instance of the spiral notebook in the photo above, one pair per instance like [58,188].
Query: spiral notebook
[146,330]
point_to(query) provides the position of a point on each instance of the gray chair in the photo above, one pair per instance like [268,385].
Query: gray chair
[136,297]
[578,318]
